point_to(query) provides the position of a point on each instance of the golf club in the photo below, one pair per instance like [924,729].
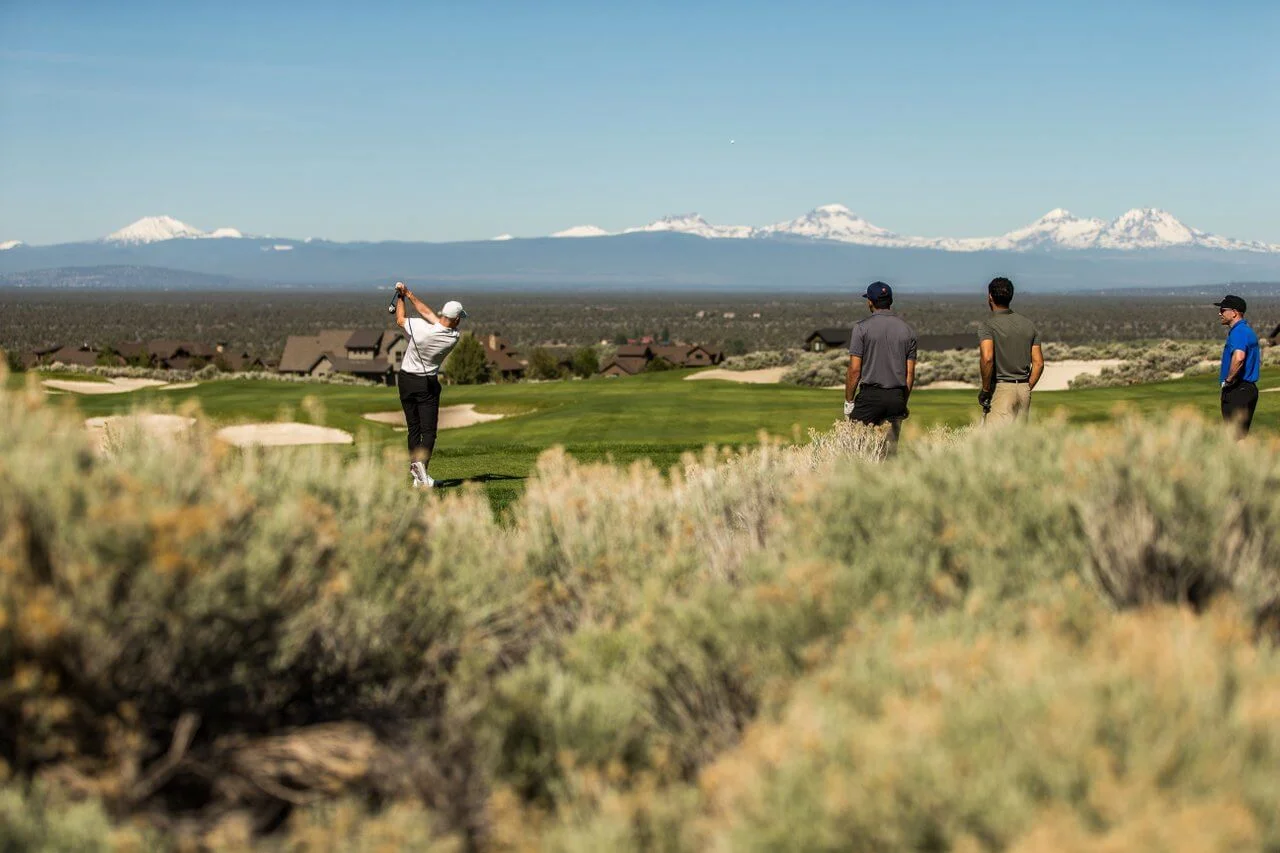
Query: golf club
[395,294]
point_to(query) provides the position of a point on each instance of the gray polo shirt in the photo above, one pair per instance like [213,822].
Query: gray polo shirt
[886,343]
[1012,336]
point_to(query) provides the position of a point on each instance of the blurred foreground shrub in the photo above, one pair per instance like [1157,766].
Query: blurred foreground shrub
[278,646]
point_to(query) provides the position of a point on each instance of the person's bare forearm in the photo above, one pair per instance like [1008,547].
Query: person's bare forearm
[1237,364]
[851,379]
[911,376]
[420,306]
[988,369]
[1037,366]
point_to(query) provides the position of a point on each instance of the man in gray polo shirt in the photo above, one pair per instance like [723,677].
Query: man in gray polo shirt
[1010,359]
[882,364]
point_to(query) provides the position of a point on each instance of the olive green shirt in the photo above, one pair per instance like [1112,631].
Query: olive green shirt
[1013,337]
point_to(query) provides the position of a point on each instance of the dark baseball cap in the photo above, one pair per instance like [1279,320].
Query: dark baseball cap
[1235,303]
[878,290]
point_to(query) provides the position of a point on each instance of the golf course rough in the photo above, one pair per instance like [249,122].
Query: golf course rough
[808,644]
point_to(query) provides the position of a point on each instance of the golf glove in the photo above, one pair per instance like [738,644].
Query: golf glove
[848,408]
[984,398]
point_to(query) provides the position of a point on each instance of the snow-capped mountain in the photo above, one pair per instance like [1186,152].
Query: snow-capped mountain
[1140,228]
[153,229]
[839,223]
[1056,229]
[692,223]
[582,231]
[9,244]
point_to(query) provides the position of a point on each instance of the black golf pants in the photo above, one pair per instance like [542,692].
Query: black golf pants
[1238,404]
[420,398]
[875,405]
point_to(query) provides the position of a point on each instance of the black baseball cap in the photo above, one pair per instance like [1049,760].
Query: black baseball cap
[1235,303]
[878,290]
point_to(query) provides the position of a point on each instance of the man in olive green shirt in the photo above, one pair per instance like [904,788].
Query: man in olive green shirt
[1010,358]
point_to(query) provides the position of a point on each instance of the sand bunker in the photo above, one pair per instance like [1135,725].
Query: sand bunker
[948,385]
[180,386]
[279,435]
[451,417]
[115,385]
[764,376]
[163,427]
[1058,374]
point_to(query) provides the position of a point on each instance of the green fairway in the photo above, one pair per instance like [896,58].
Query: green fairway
[657,416]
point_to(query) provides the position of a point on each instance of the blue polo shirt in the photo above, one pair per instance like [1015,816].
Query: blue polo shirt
[1241,337]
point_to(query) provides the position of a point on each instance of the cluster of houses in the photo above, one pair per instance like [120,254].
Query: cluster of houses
[163,354]
[634,358]
[375,354]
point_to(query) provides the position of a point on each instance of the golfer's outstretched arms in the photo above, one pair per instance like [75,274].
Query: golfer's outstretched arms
[422,307]
[1037,366]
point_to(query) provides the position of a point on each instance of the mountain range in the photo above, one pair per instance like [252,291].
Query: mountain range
[1140,228]
[829,247]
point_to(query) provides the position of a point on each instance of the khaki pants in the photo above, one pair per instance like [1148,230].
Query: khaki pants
[1011,403]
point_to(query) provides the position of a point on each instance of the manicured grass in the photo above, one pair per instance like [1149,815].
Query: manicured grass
[656,416]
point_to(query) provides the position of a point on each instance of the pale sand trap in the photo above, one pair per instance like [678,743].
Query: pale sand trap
[279,435]
[764,376]
[111,386]
[948,385]
[1058,374]
[180,386]
[153,426]
[451,417]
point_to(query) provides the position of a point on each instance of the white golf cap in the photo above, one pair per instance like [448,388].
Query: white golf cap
[453,310]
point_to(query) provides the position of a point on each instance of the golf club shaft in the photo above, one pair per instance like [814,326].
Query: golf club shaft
[395,294]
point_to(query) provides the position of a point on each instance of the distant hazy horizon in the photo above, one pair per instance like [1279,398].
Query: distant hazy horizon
[447,122]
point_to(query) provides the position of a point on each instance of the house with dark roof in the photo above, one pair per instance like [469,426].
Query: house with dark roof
[373,354]
[503,359]
[821,340]
[81,356]
[634,358]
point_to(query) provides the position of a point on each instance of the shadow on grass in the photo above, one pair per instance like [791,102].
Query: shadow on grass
[479,478]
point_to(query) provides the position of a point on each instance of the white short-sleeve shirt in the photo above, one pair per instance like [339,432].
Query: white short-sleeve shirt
[429,345]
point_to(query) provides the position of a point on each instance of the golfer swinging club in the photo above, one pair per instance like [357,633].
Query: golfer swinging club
[431,339]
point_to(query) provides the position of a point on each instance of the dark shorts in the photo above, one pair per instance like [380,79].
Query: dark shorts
[1238,404]
[420,399]
[876,405]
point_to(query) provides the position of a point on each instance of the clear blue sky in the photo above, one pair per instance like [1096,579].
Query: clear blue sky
[461,120]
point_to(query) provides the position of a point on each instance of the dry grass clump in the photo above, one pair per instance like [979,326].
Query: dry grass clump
[289,649]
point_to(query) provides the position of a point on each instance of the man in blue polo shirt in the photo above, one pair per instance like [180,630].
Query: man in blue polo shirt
[1241,364]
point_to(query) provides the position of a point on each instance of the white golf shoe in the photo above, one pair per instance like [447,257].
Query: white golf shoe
[419,473]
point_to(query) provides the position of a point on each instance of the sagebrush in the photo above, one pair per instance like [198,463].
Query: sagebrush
[1043,638]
